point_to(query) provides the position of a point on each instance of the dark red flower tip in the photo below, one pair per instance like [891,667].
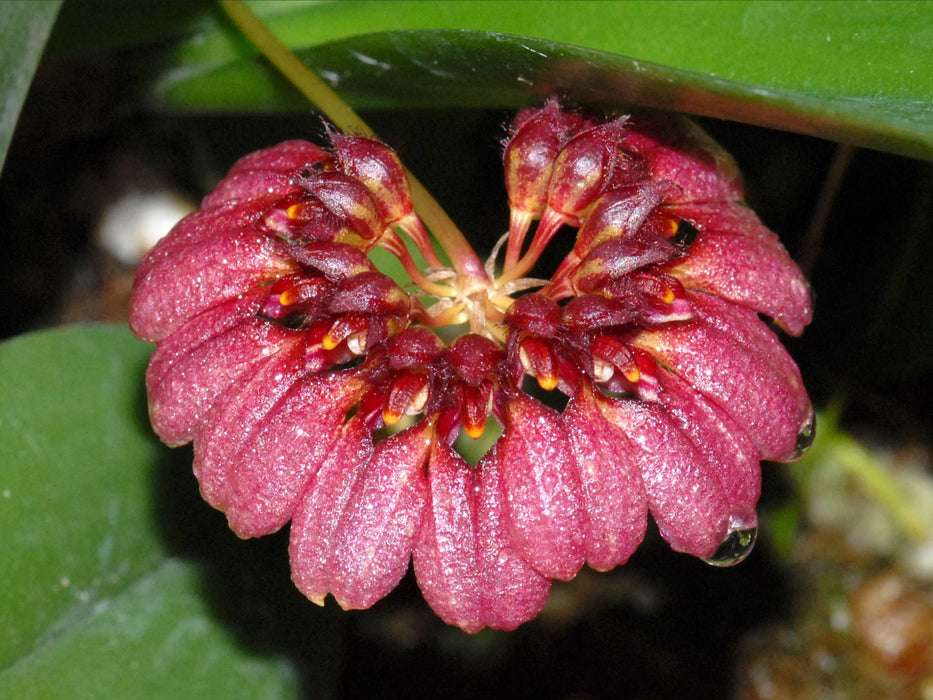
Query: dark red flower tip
[378,168]
[321,392]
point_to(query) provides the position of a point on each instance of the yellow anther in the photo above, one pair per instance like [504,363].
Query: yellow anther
[475,431]
[548,382]
[390,417]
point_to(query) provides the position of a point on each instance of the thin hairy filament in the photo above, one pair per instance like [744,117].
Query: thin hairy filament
[394,244]
[547,227]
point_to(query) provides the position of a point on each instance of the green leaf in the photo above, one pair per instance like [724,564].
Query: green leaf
[157,639]
[75,509]
[25,27]
[92,602]
[848,71]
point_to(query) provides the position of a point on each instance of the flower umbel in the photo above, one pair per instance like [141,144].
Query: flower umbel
[319,391]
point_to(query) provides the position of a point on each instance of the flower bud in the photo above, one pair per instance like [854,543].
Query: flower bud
[584,168]
[378,167]
[350,202]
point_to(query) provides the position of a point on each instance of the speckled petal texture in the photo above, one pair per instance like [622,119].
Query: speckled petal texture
[324,396]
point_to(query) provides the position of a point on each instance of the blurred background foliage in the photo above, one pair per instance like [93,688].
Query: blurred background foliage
[119,580]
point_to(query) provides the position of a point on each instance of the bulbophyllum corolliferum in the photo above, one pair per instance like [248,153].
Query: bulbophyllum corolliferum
[321,392]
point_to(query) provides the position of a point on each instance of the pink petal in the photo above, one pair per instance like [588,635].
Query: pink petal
[193,277]
[727,447]
[201,359]
[613,492]
[199,226]
[238,412]
[513,592]
[143,315]
[445,553]
[283,454]
[468,572]
[730,356]
[541,489]
[264,173]
[314,534]
[739,258]
[260,188]
[684,494]
[284,157]
[378,529]
[678,150]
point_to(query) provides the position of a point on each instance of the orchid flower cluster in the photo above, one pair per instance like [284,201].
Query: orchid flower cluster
[639,379]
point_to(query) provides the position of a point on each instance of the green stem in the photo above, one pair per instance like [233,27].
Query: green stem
[461,254]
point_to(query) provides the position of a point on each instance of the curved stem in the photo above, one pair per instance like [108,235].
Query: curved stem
[548,226]
[461,254]
[393,243]
[288,64]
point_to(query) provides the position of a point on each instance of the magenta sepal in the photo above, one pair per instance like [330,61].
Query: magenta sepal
[541,489]
[285,157]
[184,376]
[314,529]
[615,506]
[727,447]
[729,355]
[516,592]
[266,174]
[467,571]
[445,552]
[684,494]
[256,189]
[193,269]
[376,532]
[239,412]
[738,258]
[677,150]
[286,450]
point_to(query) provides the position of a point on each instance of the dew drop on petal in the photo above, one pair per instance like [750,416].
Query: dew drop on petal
[805,437]
[738,544]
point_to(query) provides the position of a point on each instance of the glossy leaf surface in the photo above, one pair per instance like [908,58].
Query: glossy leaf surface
[845,71]
[24,27]
[92,602]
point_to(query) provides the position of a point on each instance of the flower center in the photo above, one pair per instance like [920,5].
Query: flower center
[479,327]
[480,301]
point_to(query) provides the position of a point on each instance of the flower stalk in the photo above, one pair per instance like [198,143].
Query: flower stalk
[442,227]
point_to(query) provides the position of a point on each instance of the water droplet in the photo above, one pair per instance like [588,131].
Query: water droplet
[805,437]
[738,544]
